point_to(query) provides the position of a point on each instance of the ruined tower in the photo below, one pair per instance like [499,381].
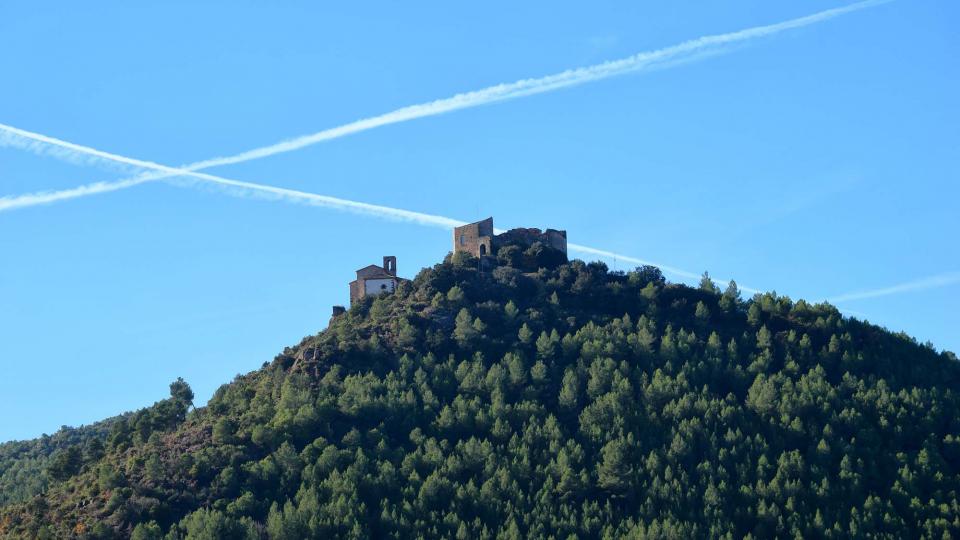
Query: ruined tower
[474,238]
[479,240]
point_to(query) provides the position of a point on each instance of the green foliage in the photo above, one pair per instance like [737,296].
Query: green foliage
[510,256]
[180,391]
[707,284]
[455,295]
[465,330]
[510,310]
[147,531]
[28,468]
[206,524]
[730,300]
[65,463]
[613,471]
[536,400]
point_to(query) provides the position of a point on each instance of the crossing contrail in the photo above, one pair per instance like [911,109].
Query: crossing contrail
[433,220]
[291,195]
[485,96]
[163,171]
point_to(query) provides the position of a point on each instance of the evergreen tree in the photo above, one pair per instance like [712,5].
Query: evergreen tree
[613,472]
[562,401]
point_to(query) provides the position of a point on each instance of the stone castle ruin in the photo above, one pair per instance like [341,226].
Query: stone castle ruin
[478,239]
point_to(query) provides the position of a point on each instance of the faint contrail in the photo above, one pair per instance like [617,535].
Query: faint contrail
[618,256]
[492,94]
[940,280]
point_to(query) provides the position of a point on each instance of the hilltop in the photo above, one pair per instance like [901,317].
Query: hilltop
[538,399]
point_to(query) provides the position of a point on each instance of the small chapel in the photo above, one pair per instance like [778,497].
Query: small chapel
[373,280]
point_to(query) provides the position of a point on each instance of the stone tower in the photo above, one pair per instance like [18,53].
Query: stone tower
[479,240]
[474,238]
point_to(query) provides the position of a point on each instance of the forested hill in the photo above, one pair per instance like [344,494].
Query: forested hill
[540,400]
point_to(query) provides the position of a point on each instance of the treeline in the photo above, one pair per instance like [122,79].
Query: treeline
[565,402]
[24,464]
[27,468]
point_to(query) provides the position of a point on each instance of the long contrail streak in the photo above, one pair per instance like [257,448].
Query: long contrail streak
[292,195]
[158,170]
[492,94]
[931,282]
[42,141]
[434,220]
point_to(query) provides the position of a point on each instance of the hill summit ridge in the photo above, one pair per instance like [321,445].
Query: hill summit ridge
[537,398]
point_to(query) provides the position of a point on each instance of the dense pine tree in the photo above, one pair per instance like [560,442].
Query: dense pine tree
[538,400]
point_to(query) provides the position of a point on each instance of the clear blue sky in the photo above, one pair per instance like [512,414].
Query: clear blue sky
[817,162]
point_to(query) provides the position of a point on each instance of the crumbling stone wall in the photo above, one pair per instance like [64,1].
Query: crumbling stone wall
[527,236]
[478,239]
[357,288]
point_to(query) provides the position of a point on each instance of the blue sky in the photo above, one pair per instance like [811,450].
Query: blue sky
[817,162]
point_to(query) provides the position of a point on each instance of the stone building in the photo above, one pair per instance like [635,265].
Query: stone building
[479,238]
[373,280]
[475,238]
[337,311]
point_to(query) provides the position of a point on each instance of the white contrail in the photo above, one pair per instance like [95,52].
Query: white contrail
[292,195]
[527,87]
[432,220]
[618,256]
[940,280]
[47,197]
[158,170]
[666,268]
[421,218]
[11,138]
[492,94]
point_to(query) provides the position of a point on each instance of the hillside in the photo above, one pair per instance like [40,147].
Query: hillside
[542,399]
[27,467]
